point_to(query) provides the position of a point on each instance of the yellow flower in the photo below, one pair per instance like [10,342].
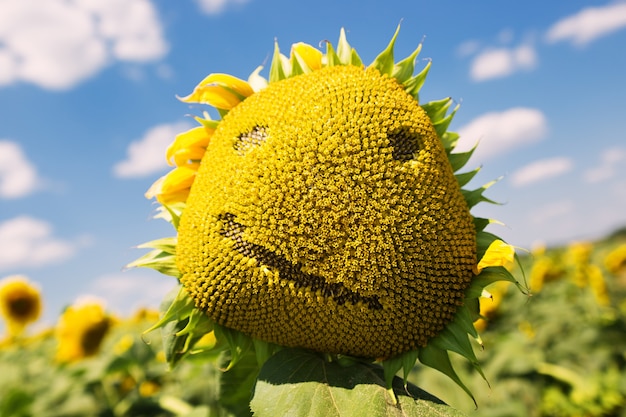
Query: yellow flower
[149,388]
[615,261]
[80,331]
[489,303]
[20,303]
[327,211]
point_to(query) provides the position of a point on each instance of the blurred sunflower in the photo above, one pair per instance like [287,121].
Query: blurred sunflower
[80,331]
[325,211]
[615,261]
[20,303]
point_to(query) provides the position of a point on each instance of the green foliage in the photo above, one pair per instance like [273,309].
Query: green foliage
[298,383]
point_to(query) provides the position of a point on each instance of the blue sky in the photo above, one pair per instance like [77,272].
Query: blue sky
[88,97]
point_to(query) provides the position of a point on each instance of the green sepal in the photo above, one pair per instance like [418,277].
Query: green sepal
[277,71]
[264,350]
[171,213]
[344,50]
[480,223]
[355,59]
[384,61]
[391,367]
[458,160]
[177,307]
[332,59]
[449,140]
[166,244]
[238,343]
[441,126]
[473,197]
[408,362]
[438,359]
[298,65]
[465,317]
[199,324]
[454,338]
[208,123]
[487,277]
[403,70]
[414,84]
[437,109]
[159,260]
[466,177]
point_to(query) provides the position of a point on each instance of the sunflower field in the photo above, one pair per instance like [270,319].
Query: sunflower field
[557,352]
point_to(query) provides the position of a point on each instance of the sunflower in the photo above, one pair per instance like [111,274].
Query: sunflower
[20,303]
[80,331]
[324,210]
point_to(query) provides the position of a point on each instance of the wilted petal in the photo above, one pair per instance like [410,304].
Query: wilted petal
[498,253]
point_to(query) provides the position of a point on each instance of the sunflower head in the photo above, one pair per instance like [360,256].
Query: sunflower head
[20,303]
[324,211]
[81,330]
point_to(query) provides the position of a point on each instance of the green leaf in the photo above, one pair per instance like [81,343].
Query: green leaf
[298,383]
[16,402]
[237,384]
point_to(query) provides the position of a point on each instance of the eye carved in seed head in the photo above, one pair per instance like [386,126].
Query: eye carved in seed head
[291,271]
[248,140]
[405,144]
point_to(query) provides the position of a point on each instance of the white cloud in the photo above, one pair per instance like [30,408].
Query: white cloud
[28,242]
[549,212]
[127,291]
[213,7]
[146,156]
[18,177]
[501,62]
[498,132]
[56,44]
[607,168]
[468,48]
[541,170]
[589,24]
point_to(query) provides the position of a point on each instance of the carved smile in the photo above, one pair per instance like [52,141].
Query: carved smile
[289,271]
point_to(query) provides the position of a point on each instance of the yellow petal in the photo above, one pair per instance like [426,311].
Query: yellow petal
[310,55]
[221,91]
[198,137]
[175,186]
[188,155]
[497,254]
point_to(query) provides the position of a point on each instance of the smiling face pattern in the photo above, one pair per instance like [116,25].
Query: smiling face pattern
[325,215]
